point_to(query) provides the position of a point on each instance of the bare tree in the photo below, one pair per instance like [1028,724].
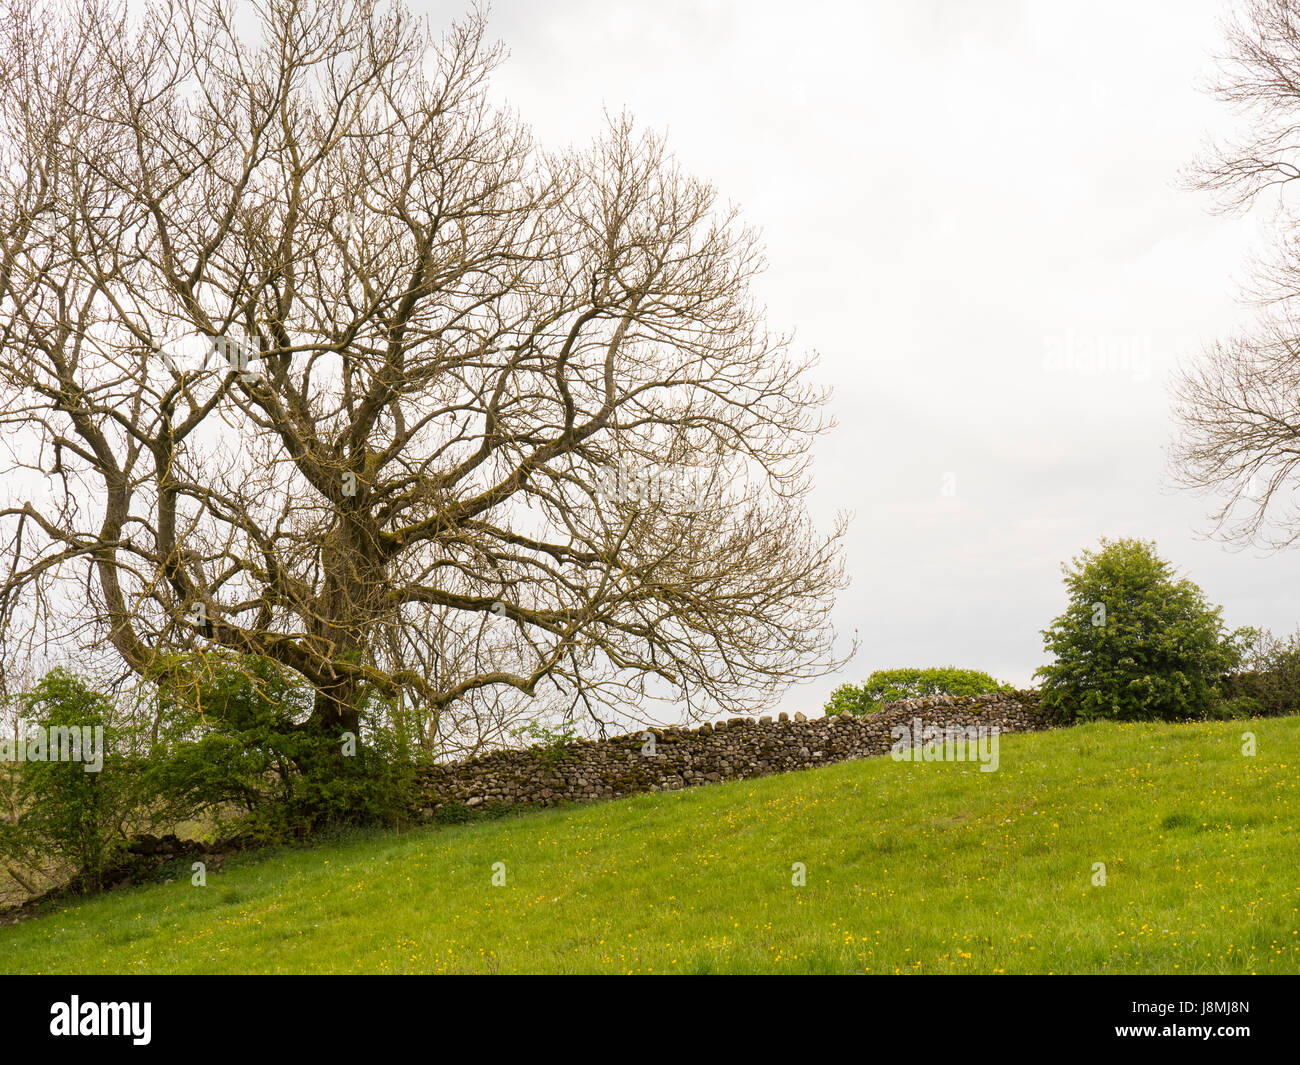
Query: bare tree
[1238,409]
[490,425]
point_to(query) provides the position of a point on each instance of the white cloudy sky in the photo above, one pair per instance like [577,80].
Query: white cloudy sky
[952,195]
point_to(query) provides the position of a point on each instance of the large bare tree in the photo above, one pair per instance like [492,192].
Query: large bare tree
[309,352]
[1238,407]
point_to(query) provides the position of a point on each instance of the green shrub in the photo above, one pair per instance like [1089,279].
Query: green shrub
[553,743]
[1270,674]
[1235,709]
[1135,642]
[231,744]
[889,685]
[229,738]
[67,814]
[239,737]
[375,786]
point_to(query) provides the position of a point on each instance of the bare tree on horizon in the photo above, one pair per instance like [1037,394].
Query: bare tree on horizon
[1238,407]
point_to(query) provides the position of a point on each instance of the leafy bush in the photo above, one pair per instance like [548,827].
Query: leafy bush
[1135,642]
[67,814]
[553,743]
[1270,675]
[229,738]
[373,786]
[889,685]
[239,737]
[231,743]
[1235,709]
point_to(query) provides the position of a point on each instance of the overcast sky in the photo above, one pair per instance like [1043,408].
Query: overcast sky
[973,213]
[959,202]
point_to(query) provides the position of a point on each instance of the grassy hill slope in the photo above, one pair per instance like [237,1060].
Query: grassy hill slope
[911,867]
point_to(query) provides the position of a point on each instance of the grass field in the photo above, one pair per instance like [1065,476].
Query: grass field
[910,867]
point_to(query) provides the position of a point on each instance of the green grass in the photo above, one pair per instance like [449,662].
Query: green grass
[911,867]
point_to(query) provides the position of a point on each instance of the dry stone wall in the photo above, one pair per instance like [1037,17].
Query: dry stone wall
[666,759]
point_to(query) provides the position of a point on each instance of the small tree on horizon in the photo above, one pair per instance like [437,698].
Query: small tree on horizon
[1235,407]
[885,686]
[1136,642]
